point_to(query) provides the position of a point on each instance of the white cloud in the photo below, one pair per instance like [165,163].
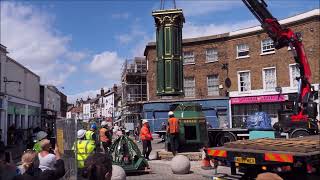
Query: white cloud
[191,30]
[34,42]
[124,38]
[76,56]
[136,32]
[120,15]
[137,35]
[108,64]
[138,49]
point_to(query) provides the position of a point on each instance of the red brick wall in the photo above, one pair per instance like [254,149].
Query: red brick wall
[255,63]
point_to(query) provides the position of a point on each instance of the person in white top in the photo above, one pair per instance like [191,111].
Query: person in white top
[47,160]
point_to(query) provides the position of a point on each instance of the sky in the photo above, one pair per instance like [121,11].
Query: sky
[80,45]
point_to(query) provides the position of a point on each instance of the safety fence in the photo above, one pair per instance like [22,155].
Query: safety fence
[66,130]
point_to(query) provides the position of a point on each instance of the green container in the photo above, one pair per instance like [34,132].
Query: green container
[169,51]
[192,126]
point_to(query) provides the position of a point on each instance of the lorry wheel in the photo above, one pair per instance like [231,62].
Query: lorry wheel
[299,133]
[225,137]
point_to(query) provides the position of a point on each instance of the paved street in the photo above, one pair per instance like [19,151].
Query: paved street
[160,169]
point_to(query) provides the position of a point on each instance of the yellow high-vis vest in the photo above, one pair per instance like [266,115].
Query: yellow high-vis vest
[84,149]
[89,134]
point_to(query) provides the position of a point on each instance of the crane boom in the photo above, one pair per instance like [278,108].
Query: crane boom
[284,37]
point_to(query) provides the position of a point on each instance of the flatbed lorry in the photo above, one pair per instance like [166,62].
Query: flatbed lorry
[295,158]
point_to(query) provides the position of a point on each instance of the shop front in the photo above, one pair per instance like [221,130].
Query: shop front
[21,120]
[242,107]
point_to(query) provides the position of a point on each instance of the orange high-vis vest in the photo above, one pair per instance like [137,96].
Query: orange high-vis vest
[173,125]
[102,135]
[145,133]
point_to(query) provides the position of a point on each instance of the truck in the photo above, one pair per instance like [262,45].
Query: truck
[295,158]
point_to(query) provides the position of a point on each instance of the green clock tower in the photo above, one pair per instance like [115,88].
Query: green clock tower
[169,25]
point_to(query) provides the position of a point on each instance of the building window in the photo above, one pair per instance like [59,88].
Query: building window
[294,73]
[188,57]
[189,87]
[211,55]
[244,81]
[269,78]
[267,46]
[213,85]
[242,50]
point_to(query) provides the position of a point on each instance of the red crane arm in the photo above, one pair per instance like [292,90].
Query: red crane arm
[284,37]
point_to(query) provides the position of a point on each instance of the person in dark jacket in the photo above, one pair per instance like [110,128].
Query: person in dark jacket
[30,168]
[7,168]
[98,166]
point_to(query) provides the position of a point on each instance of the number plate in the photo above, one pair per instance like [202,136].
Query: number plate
[244,160]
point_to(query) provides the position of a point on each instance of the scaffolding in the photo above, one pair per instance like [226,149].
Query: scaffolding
[134,89]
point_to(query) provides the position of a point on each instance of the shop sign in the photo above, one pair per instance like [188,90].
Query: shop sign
[258,99]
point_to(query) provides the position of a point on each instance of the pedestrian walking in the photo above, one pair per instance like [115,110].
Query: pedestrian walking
[146,138]
[41,135]
[105,136]
[163,126]
[173,131]
[84,148]
[136,134]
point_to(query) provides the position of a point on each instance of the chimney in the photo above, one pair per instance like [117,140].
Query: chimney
[115,88]
[102,91]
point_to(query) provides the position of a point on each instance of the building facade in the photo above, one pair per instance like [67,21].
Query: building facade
[50,98]
[63,105]
[19,100]
[86,110]
[263,78]
[238,73]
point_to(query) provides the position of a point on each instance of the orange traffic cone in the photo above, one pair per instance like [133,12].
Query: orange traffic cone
[205,160]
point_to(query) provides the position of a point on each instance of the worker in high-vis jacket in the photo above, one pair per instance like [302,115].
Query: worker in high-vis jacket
[84,148]
[146,138]
[90,134]
[173,132]
[105,136]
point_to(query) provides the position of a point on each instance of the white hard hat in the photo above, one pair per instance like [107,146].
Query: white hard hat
[170,113]
[41,135]
[81,133]
[104,123]
[144,121]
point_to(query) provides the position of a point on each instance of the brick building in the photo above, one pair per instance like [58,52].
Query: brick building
[248,59]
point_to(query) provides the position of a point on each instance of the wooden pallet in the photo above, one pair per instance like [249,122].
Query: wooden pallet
[303,145]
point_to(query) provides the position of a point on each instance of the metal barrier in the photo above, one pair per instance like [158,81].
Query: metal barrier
[66,133]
